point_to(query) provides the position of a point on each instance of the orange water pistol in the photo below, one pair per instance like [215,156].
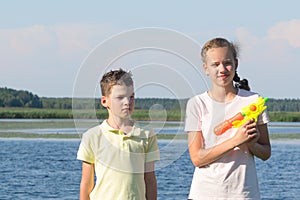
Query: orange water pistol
[252,111]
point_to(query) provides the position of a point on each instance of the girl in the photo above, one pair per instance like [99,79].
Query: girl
[224,164]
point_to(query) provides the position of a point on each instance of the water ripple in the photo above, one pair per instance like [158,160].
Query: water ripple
[48,169]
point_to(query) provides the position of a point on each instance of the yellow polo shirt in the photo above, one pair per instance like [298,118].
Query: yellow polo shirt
[119,160]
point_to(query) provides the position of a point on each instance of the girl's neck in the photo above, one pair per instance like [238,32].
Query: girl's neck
[223,94]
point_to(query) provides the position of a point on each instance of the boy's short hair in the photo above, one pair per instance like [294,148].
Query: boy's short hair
[115,77]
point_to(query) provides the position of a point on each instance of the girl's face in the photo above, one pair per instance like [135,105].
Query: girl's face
[220,65]
[120,102]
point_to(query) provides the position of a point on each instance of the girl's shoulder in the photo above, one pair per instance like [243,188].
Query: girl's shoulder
[199,99]
[247,97]
[246,93]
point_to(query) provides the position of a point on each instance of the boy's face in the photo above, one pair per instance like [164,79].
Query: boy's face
[120,102]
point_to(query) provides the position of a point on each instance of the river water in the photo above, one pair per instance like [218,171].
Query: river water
[48,169]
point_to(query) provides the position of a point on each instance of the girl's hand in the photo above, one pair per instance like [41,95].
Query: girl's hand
[254,140]
[246,133]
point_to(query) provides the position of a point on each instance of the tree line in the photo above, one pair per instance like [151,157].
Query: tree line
[21,98]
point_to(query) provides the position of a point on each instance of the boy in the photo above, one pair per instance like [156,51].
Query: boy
[120,154]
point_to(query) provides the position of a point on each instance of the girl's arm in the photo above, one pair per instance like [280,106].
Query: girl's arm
[150,181]
[260,145]
[202,157]
[87,180]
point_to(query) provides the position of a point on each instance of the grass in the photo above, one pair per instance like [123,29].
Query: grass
[284,116]
[284,136]
[40,136]
[13,129]
[40,113]
[138,114]
[4,125]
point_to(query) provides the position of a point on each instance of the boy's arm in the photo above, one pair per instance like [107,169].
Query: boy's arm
[87,180]
[150,181]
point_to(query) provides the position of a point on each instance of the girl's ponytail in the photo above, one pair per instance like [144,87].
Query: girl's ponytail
[242,84]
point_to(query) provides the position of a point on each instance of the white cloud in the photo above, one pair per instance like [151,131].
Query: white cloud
[49,56]
[74,39]
[44,53]
[66,41]
[286,31]
[247,43]
[26,41]
[268,61]
[280,44]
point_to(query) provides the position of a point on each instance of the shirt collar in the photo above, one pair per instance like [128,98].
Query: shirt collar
[133,132]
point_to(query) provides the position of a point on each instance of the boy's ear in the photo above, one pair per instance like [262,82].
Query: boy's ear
[104,101]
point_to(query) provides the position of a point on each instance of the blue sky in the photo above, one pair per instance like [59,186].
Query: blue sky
[45,44]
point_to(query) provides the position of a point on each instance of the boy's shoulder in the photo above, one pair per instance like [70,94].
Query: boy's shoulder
[138,130]
[98,129]
[92,132]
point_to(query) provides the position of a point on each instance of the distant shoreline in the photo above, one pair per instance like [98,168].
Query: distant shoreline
[159,136]
[138,114]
